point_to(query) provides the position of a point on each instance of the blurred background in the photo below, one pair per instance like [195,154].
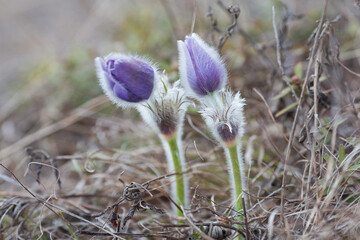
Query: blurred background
[50,98]
[47,51]
[47,47]
[47,71]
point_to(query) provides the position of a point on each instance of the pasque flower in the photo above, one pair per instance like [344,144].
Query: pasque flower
[134,81]
[126,79]
[203,74]
[165,114]
[225,119]
[202,70]
[166,110]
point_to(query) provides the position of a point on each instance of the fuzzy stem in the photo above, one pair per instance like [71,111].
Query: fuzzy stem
[235,159]
[179,182]
[237,177]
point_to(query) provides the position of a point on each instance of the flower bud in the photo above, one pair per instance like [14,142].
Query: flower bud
[202,70]
[228,133]
[165,112]
[226,121]
[126,79]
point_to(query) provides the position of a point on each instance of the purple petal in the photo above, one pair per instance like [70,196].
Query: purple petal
[206,70]
[110,80]
[190,72]
[128,78]
[110,64]
[135,76]
[122,93]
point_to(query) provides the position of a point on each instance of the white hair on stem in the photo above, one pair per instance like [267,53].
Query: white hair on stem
[171,169]
[168,105]
[226,108]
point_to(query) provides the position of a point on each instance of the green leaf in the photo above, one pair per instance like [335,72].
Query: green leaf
[354,167]
[325,134]
[283,93]
[353,198]
[286,109]
[298,70]
[341,122]
[341,153]
[195,236]
[326,121]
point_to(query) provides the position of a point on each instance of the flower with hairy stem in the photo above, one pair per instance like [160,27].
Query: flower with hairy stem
[227,123]
[165,114]
[133,81]
[202,71]
[126,79]
[203,75]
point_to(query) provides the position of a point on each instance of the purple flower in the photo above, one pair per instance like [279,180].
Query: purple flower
[202,70]
[125,79]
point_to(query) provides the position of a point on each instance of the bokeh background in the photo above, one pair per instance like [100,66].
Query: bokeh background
[50,98]
[47,48]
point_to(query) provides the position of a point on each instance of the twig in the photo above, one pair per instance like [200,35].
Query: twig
[278,46]
[275,197]
[133,235]
[193,226]
[213,21]
[245,220]
[279,55]
[276,124]
[203,224]
[143,186]
[43,202]
[234,11]
[317,74]
[314,114]
[293,128]
[166,176]
[198,130]
[348,69]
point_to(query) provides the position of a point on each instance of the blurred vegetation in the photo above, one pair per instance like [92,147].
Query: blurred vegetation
[111,148]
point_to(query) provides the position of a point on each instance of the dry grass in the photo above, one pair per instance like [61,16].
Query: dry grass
[301,81]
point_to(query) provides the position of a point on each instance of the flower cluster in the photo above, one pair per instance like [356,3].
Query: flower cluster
[203,74]
[133,81]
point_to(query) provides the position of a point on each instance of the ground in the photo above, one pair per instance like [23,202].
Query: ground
[90,151]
